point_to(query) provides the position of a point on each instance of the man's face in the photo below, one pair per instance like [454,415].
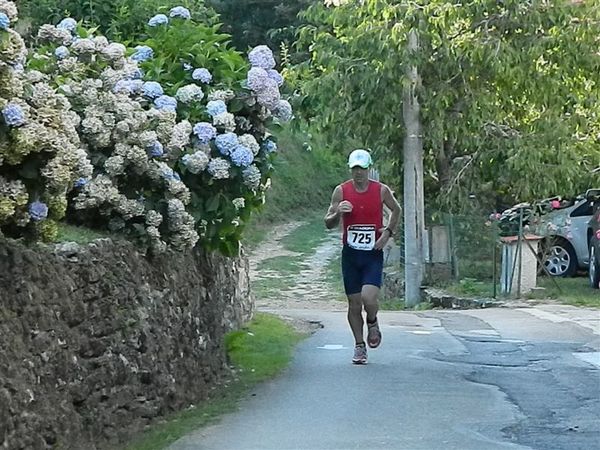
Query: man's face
[359,174]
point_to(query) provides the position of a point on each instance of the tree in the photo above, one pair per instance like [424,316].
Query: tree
[509,98]
[255,22]
[508,91]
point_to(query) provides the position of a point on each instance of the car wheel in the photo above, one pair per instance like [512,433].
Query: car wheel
[559,259]
[594,272]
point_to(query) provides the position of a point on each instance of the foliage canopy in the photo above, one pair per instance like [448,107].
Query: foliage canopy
[509,95]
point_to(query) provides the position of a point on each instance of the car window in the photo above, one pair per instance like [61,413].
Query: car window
[585,209]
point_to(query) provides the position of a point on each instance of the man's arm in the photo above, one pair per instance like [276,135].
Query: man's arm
[392,204]
[332,218]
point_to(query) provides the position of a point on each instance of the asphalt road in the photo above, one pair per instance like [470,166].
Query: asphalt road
[465,380]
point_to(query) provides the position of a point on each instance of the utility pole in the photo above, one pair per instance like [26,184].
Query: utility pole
[414,216]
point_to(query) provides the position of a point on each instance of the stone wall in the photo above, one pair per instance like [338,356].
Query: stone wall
[96,341]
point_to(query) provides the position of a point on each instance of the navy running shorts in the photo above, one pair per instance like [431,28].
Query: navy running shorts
[360,267]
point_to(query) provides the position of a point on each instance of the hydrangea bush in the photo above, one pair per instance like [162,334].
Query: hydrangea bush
[41,156]
[176,129]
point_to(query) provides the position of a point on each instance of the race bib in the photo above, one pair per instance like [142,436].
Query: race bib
[361,237]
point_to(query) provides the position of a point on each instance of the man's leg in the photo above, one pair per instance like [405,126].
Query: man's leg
[355,317]
[369,296]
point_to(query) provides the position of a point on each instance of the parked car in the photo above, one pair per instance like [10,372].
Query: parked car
[565,247]
[594,246]
[564,226]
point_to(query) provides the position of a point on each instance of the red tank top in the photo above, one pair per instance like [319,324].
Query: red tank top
[367,208]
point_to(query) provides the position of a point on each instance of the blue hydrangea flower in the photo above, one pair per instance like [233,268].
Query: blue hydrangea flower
[270,146]
[261,56]
[61,52]
[202,75]
[80,182]
[13,115]
[258,78]
[216,107]
[142,53]
[68,24]
[283,111]
[180,11]
[187,66]
[156,149]
[274,75]
[204,131]
[4,21]
[166,102]
[136,74]
[129,87]
[159,19]
[38,211]
[242,156]
[226,143]
[169,174]
[152,89]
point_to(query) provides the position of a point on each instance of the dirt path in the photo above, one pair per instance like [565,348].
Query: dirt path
[309,289]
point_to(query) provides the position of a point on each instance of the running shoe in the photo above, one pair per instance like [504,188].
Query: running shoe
[374,335]
[360,355]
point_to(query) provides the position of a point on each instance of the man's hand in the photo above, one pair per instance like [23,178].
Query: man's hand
[344,207]
[384,236]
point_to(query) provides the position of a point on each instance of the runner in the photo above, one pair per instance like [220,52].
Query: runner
[358,205]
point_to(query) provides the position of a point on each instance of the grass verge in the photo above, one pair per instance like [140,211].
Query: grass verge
[80,235]
[259,352]
[571,291]
[296,192]
[307,237]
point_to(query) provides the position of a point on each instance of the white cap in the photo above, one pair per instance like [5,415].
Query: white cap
[360,158]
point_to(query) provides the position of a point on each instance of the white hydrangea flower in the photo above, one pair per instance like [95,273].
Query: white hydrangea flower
[54,35]
[70,66]
[84,46]
[35,76]
[251,176]
[91,125]
[110,77]
[249,141]
[59,170]
[225,121]
[115,165]
[181,225]
[178,190]
[84,168]
[180,136]
[137,158]
[219,168]
[223,95]
[153,218]
[239,203]
[98,191]
[189,93]
[153,232]
[195,162]
[113,51]
[129,208]
[146,138]
[101,42]
[10,9]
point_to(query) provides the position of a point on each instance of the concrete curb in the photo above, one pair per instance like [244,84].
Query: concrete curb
[441,299]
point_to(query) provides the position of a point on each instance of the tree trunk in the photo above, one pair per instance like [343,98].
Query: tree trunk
[443,164]
[414,217]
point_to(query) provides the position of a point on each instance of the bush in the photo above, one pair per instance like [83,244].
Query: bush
[120,20]
[40,152]
[176,129]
